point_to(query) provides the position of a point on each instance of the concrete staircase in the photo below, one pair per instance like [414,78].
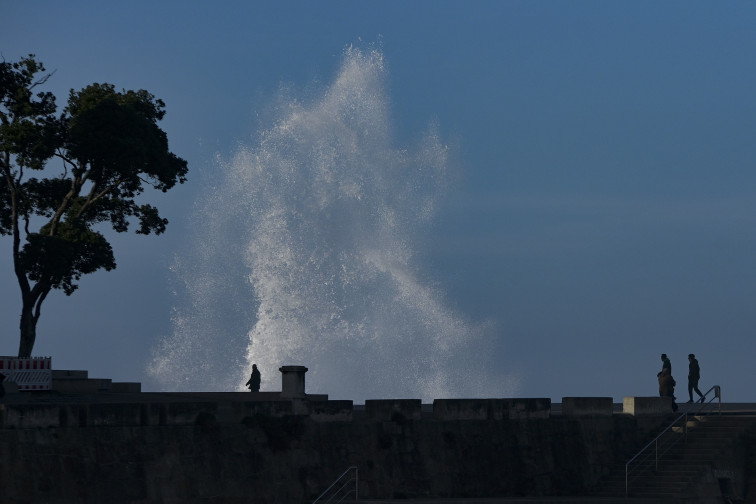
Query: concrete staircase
[685,461]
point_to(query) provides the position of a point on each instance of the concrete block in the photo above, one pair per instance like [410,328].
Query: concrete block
[268,408]
[233,407]
[587,406]
[491,409]
[186,413]
[83,386]
[74,415]
[386,410]
[10,387]
[529,408]
[299,406]
[153,413]
[468,409]
[126,387]
[331,411]
[30,416]
[115,414]
[317,397]
[63,374]
[237,411]
[640,406]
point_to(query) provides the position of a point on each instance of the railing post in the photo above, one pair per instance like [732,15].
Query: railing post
[656,454]
[718,392]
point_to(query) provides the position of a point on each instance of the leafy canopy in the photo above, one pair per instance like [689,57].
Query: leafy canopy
[63,175]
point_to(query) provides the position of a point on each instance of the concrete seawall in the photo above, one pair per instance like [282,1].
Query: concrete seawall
[245,447]
[91,441]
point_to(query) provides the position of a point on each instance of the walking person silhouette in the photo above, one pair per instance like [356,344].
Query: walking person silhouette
[254,381]
[694,374]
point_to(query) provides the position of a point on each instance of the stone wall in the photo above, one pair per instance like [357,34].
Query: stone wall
[225,453]
[93,441]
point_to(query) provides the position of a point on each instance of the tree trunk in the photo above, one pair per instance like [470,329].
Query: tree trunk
[30,311]
[28,330]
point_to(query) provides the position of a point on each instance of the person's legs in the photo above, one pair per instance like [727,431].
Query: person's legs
[695,387]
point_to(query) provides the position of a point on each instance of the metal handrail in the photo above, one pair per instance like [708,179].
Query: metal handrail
[341,488]
[666,447]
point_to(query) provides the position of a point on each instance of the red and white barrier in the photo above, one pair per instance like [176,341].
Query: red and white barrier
[34,373]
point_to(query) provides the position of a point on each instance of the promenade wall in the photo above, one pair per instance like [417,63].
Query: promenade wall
[242,448]
[93,441]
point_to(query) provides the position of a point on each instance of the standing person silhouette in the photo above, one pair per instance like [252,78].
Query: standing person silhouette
[666,382]
[694,374]
[254,381]
[666,364]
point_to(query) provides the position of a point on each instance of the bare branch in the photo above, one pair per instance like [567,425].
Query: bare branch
[66,161]
[41,80]
[148,182]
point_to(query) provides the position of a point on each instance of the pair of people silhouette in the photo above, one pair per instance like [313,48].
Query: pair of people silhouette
[667,382]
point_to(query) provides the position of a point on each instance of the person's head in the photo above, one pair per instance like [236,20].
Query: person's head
[254,366]
[691,357]
[664,356]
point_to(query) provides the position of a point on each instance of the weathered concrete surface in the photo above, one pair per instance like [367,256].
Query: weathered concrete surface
[639,406]
[491,409]
[392,409]
[93,452]
[248,447]
[587,406]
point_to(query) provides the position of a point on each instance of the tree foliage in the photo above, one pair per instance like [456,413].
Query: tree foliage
[64,177]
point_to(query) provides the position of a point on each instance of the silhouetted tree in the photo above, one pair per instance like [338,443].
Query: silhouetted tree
[108,147]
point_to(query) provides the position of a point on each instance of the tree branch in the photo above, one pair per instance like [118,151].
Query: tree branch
[66,162]
[76,183]
[91,199]
[148,182]
[41,80]
[20,176]
[39,301]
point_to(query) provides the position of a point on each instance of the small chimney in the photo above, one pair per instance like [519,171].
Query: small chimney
[293,381]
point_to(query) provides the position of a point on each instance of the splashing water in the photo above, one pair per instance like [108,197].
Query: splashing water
[309,242]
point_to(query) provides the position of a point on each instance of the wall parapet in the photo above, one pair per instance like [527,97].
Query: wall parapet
[491,409]
[587,406]
[645,406]
[386,410]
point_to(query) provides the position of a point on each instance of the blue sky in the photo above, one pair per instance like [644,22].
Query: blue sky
[602,207]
